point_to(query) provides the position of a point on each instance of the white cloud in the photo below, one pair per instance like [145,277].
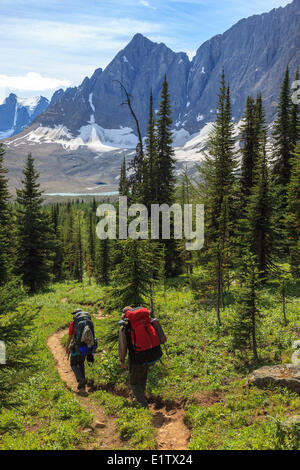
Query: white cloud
[147,4]
[106,35]
[31,81]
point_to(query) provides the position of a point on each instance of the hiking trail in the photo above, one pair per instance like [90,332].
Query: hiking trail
[172,433]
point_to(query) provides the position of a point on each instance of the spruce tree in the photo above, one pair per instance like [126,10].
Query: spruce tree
[256,229]
[259,220]
[246,318]
[165,151]
[102,262]
[164,172]
[5,222]
[282,139]
[18,332]
[91,244]
[151,172]
[283,135]
[69,241]
[295,121]
[218,173]
[293,214]
[58,259]
[248,136]
[123,183]
[35,234]
[132,279]
[78,249]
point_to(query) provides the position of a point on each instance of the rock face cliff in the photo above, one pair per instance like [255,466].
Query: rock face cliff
[254,54]
[17,113]
[85,132]
[140,67]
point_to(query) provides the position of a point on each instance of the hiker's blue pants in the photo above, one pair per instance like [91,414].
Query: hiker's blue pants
[77,365]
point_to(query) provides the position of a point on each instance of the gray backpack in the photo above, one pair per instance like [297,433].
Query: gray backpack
[84,329]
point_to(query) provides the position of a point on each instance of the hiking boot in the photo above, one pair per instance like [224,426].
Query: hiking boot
[81,385]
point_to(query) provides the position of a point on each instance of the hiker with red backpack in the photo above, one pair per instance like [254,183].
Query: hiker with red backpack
[81,344]
[141,337]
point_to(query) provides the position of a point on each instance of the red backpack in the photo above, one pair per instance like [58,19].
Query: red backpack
[144,336]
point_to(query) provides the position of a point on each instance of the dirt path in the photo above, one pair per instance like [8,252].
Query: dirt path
[172,434]
[103,427]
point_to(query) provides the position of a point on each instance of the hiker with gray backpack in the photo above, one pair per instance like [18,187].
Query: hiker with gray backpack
[81,344]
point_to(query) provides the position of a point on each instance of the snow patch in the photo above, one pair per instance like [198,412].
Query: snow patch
[199,118]
[91,136]
[91,102]
[193,149]
[92,118]
[29,103]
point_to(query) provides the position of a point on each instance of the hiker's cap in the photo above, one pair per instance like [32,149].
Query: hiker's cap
[77,310]
[126,308]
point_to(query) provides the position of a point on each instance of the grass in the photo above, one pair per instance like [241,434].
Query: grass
[44,414]
[133,423]
[201,371]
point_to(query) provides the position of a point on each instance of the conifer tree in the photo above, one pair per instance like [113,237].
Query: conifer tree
[35,234]
[284,135]
[282,139]
[164,173]
[91,251]
[17,331]
[151,173]
[78,265]
[58,259]
[256,228]
[185,196]
[293,217]
[295,121]
[123,183]
[5,255]
[69,241]
[248,136]
[219,180]
[246,318]
[102,263]
[132,279]
[259,220]
[165,151]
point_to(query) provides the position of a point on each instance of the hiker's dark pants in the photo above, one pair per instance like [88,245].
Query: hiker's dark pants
[77,365]
[138,379]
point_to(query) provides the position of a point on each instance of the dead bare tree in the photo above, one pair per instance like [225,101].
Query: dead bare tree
[137,164]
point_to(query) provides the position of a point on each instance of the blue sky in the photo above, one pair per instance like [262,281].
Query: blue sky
[45,45]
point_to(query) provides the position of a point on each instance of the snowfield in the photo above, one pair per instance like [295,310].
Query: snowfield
[188,148]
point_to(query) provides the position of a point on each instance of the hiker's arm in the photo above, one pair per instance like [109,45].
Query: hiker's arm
[68,343]
[122,347]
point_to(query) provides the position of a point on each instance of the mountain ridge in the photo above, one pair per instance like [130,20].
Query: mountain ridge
[85,128]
